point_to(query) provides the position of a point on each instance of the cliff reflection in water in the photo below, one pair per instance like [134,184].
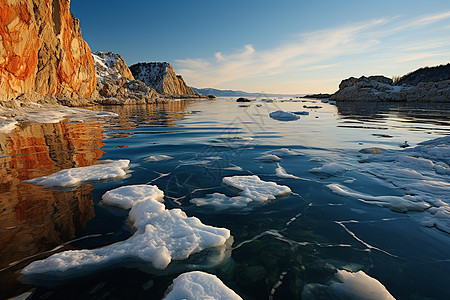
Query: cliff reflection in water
[32,219]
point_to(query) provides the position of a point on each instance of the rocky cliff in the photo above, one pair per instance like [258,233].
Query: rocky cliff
[161,77]
[380,88]
[42,51]
[115,82]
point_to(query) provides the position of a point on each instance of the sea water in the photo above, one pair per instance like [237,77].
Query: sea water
[299,244]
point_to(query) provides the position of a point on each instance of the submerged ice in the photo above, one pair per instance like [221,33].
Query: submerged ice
[199,285]
[162,235]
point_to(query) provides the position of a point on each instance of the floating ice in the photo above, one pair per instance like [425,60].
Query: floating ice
[162,235]
[330,169]
[269,158]
[283,152]
[348,285]
[220,201]
[199,285]
[255,188]
[423,171]
[281,172]
[283,116]
[127,196]
[395,203]
[156,158]
[76,176]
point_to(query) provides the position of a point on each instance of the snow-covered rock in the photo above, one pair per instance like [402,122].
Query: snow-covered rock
[161,77]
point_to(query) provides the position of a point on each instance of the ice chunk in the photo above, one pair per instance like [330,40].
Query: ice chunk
[269,158]
[330,169]
[162,235]
[127,196]
[348,285]
[283,152]
[221,201]
[395,203]
[283,116]
[76,176]
[281,172]
[255,188]
[199,285]
[156,158]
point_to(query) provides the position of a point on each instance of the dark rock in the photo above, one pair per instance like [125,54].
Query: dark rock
[243,100]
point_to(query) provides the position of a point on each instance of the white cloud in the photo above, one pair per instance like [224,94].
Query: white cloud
[313,51]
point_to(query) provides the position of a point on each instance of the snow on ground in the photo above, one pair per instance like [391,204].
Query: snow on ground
[422,171]
[283,116]
[76,176]
[252,189]
[156,158]
[199,285]
[281,172]
[46,114]
[330,169]
[348,285]
[7,125]
[162,235]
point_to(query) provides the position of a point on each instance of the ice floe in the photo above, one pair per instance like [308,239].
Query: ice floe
[422,171]
[269,158]
[7,125]
[329,169]
[348,285]
[281,172]
[127,196]
[76,176]
[395,203]
[283,116]
[252,189]
[162,235]
[159,157]
[199,285]
[283,152]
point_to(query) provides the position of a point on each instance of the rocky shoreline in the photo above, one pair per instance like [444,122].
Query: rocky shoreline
[423,85]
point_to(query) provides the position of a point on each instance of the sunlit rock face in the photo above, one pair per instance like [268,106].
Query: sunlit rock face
[161,77]
[116,84]
[33,219]
[42,50]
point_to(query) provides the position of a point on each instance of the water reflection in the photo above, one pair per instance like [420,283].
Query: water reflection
[33,219]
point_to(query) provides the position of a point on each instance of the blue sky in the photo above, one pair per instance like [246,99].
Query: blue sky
[271,46]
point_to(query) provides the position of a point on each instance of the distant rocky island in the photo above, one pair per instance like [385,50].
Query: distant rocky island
[238,93]
[430,84]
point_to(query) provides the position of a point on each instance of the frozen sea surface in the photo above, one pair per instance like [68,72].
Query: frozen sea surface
[268,209]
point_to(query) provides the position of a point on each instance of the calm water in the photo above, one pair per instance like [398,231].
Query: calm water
[278,247]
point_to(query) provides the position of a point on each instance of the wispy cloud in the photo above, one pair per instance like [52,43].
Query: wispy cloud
[311,51]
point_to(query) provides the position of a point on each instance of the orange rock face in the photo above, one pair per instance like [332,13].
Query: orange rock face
[42,50]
